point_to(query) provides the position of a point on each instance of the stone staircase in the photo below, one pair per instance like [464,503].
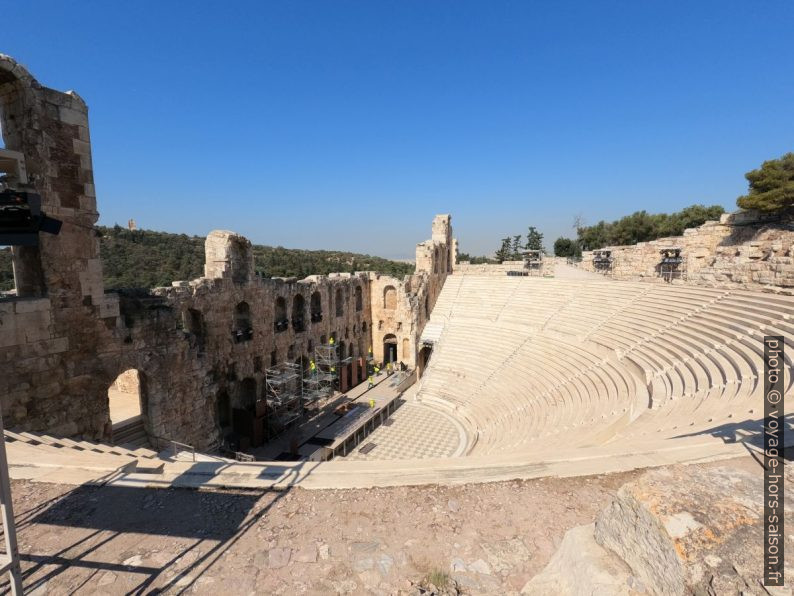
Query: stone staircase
[62,459]
[130,434]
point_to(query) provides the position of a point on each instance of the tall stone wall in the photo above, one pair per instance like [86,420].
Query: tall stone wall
[196,344]
[739,251]
[60,312]
[401,308]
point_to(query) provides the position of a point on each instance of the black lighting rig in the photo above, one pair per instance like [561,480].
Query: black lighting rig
[671,264]
[21,218]
[602,260]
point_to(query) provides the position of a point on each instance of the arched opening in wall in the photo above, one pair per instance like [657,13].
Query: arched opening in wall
[316,307]
[224,410]
[359,299]
[406,355]
[427,307]
[423,358]
[339,302]
[126,403]
[21,271]
[280,322]
[389,298]
[193,323]
[299,313]
[242,331]
[240,257]
[389,348]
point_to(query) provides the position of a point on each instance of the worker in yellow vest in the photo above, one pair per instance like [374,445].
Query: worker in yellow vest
[371,383]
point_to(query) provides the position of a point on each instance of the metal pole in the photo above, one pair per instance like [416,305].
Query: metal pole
[9,527]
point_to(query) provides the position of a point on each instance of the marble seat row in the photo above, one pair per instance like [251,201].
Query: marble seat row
[529,362]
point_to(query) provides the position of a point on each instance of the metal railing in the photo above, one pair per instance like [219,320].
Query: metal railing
[175,447]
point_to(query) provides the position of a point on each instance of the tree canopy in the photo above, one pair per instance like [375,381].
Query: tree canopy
[146,259]
[566,247]
[642,226]
[534,239]
[771,186]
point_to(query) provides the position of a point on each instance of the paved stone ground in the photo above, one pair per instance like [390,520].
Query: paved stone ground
[415,432]
[491,538]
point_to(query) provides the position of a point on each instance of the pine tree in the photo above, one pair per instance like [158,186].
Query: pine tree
[771,186]
[516,248]
[503,254]
[534,239]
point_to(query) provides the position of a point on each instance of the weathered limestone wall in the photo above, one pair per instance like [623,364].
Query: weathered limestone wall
[402,308]
[466,268]
[61,312]
[196,344]
[753,255]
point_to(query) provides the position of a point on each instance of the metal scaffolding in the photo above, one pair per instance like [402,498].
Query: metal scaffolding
[323,378]
[533,261]
[284,396]
[603,261]
[673,264]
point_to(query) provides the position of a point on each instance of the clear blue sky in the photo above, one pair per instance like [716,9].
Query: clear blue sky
[348,125]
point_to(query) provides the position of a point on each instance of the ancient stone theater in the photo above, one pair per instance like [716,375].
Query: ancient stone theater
[645,356]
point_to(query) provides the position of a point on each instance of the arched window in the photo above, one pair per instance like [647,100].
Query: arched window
[389,348]
[280,322]
[243,331]
[298,313]
[316,307]
[193,323]
[239,259]
[427,307]
[389,298]
[340,305]
[359,299]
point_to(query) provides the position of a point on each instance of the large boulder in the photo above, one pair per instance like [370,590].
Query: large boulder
[673,531]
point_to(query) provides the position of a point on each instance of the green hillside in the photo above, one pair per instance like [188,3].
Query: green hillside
[146,259]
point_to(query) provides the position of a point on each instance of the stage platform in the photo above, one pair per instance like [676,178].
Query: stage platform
[342,424]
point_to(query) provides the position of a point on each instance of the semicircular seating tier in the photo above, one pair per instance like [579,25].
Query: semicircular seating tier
[533,365]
